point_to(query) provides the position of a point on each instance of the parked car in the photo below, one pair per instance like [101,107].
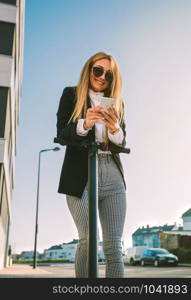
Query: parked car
[157,257]
[133,255]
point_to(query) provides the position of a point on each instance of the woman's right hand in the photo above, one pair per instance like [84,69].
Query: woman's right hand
[93,116]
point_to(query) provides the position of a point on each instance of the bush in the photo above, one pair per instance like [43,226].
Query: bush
[184,255]
[29,261]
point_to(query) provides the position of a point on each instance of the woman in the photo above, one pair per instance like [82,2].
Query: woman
[79,118]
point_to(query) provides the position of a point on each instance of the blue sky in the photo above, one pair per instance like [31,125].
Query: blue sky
[151,43]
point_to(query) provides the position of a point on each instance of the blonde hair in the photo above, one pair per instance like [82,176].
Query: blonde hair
[113,90]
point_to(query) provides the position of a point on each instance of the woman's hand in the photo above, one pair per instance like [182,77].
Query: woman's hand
[93,116]
[111,119]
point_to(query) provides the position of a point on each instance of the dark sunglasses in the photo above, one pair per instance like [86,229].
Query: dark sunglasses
[99,71]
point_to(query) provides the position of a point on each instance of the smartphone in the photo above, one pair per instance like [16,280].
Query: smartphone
[106,102]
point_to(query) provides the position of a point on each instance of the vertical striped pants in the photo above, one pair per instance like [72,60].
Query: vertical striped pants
[112,211]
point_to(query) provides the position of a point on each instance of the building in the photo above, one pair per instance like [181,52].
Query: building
[65,250]
[28,255]
[149,236]
[180,237]
[11,66]
[166,236]
[68,251]
[187,220]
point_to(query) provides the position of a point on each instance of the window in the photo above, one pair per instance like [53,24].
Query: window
[12,2]
[6,37]
[149,253]
[155,241]
[1,185]
[3,109]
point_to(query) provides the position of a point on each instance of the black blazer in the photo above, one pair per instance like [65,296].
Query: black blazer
[74,173]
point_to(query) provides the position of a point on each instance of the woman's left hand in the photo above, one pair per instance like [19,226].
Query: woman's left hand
[111,119]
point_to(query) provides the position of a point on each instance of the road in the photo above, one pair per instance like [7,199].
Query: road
[67,271]
[130,271]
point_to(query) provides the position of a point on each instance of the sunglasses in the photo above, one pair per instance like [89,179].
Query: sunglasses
[99,71]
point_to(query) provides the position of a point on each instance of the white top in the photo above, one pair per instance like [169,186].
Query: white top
[100,128]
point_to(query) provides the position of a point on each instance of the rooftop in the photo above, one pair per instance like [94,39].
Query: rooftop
[59,247]
[56,247]
[155,229]
[187,213]
[72,242]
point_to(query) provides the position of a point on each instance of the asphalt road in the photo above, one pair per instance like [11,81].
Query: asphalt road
[67,270]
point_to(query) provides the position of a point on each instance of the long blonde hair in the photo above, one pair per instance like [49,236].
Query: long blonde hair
[113,91]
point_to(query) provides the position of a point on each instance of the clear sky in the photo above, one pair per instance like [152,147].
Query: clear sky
[151,43]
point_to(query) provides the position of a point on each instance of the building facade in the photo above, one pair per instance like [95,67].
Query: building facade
[179,237]
[11,68]
[186,217]
[166,236]
[65,250]
[149,236]
[68,251]
[28,255]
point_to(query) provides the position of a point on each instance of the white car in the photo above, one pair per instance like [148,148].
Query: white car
[133,255]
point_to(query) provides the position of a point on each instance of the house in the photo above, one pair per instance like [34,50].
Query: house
[149,236]
[187,220]
[166,236]
[65,250]
[68,251]
[179,237]
[27,255]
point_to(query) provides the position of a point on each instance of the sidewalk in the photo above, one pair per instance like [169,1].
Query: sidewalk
[22,270]
[66,270]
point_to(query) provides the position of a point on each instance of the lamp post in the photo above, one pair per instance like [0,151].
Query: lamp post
[37,202]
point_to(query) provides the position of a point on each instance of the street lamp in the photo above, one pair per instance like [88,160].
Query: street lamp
[37,202]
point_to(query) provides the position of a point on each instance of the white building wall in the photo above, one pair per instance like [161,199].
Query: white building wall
[2,149]
[6,63]
[11,70]
[67,251]
[8,13]
[187,223]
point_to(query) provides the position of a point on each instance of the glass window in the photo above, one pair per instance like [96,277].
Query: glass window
[12,2]
[161,251]
[6,37]
[149,253]
[3,109]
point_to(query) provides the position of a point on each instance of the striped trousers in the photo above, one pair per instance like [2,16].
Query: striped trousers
[112,211]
